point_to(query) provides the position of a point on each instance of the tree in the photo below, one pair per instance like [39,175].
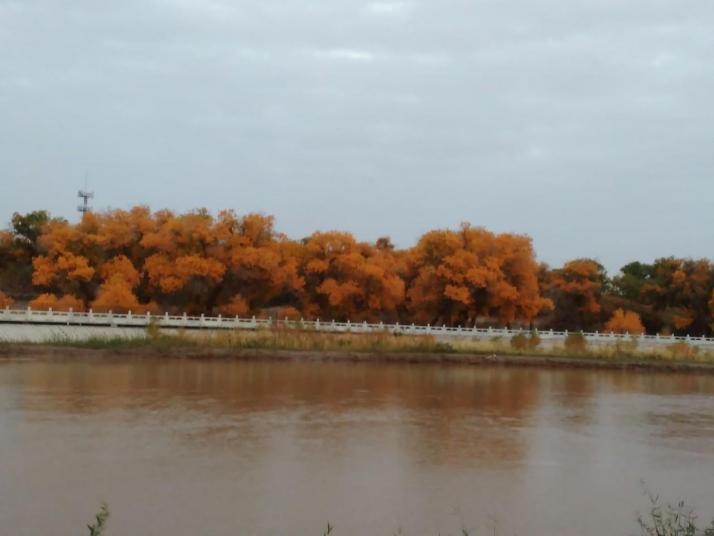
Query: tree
[460,276]
[116,295]
[18,246]
[196,262]
[27,229]
[576,290]
[5,300]
[349,280]
[47,301]
[680,290]
[623,321]
[185,261]
[632,278]
[262,266]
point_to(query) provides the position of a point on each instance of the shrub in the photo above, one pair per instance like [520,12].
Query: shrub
[521,341]
[626,347]
[575,342]
[671,520]
[100,521]
[682,350]
[289,312]
[153,331]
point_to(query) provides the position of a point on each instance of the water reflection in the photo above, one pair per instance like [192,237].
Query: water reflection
[236,447]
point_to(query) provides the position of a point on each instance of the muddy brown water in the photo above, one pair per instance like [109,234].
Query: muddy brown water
[185,447]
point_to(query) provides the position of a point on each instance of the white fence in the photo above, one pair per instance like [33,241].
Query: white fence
[56,318]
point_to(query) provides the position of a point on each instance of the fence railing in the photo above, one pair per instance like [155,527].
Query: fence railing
[129,320]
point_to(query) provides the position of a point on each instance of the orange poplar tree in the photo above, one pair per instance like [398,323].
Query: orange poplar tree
[349,280]
[623,321]
[47,301]
[140,260]
[471,274]
[5,300]
[576,291]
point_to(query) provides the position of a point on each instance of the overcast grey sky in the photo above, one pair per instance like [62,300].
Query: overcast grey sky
[587,124]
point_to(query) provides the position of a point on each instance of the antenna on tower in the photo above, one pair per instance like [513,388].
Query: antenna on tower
[86,195]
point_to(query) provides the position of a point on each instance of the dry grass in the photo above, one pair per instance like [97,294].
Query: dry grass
[312,341]
[303,340]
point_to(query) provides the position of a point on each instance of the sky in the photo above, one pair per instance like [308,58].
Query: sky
[586,124]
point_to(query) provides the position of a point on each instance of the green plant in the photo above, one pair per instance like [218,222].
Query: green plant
[100,521]
[153,331]
[665,519]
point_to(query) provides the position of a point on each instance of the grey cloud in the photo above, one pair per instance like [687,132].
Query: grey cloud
[586,124]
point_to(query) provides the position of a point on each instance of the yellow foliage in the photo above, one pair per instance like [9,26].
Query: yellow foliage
[457,276]
[116,295]
[623,321]
[198,262]
[120,266]
[236,307]
[5,300]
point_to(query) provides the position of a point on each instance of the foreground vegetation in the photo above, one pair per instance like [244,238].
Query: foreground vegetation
[528,344]
[196,262]
[663,519]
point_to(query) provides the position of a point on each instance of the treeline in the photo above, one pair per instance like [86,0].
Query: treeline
[195,262]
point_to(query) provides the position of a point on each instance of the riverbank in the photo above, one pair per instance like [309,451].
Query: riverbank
[309,346]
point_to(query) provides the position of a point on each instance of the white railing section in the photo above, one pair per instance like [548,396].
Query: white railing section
[129,320]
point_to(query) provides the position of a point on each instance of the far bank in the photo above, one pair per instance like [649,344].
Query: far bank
[377,348]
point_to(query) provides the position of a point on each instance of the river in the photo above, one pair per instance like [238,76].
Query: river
[182,447]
